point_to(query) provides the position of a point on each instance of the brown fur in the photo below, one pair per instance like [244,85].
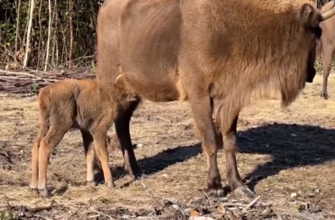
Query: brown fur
[87,105]
[326,46]
[215,54]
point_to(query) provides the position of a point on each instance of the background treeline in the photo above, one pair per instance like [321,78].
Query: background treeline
[49,34]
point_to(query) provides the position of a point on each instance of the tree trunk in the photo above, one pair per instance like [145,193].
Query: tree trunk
[93,16]
[17,28]
[31,14]
[71,33]
[48,41]
[40,38]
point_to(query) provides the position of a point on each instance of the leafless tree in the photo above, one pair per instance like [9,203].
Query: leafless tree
[31,14]
[18,6]
[49,36]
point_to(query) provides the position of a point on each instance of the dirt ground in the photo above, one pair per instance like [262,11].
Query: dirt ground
[286,156]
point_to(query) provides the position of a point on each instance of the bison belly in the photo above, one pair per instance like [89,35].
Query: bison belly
[149,47]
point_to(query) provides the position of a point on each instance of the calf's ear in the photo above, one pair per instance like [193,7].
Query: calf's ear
[120,81]
[309,16]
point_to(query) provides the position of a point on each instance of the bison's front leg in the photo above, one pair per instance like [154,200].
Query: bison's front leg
[327,61]
[229,119]
[202,112]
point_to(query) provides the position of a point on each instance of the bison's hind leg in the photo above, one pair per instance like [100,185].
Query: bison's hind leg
[35,154]
[228,120]
[327,61]
[123,133]
[201,107]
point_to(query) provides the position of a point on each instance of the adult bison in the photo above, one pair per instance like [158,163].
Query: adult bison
[327,47]
[215,54]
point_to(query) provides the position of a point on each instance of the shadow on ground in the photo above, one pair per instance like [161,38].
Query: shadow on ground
[290,145]
[156,163]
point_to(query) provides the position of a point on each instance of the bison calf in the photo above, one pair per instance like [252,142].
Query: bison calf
[87,105]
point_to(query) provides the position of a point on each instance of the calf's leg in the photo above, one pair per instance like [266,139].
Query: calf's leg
[89,154]
[34,159]
[48,143]
[100,145]
[122,130]
[327,61]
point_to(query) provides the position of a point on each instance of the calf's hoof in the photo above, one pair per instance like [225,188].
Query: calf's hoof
[45,193]
[324,95]
[243,192]
[34,191]
[110,184]
[90,183]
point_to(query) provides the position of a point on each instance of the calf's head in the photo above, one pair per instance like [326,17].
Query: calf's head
[310,19]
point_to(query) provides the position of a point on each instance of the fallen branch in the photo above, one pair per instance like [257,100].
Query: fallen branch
[279,217]
[158,199]
[233,205]
[301,216]
[94,216]
[43,217]
[26,82]
[41,208]
[20,74]
[251,203]
[247,138]
[151,193]
[93,210]
[163,119]
[30,209]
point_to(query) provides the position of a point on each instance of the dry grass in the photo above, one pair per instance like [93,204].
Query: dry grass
[294,155]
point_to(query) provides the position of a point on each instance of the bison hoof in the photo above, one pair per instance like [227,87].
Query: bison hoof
[136,174]
[143,176]
[243,192]
[324,95]
[216,190]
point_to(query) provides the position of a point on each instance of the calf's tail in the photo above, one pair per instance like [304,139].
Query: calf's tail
[44,108]
[318,49]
